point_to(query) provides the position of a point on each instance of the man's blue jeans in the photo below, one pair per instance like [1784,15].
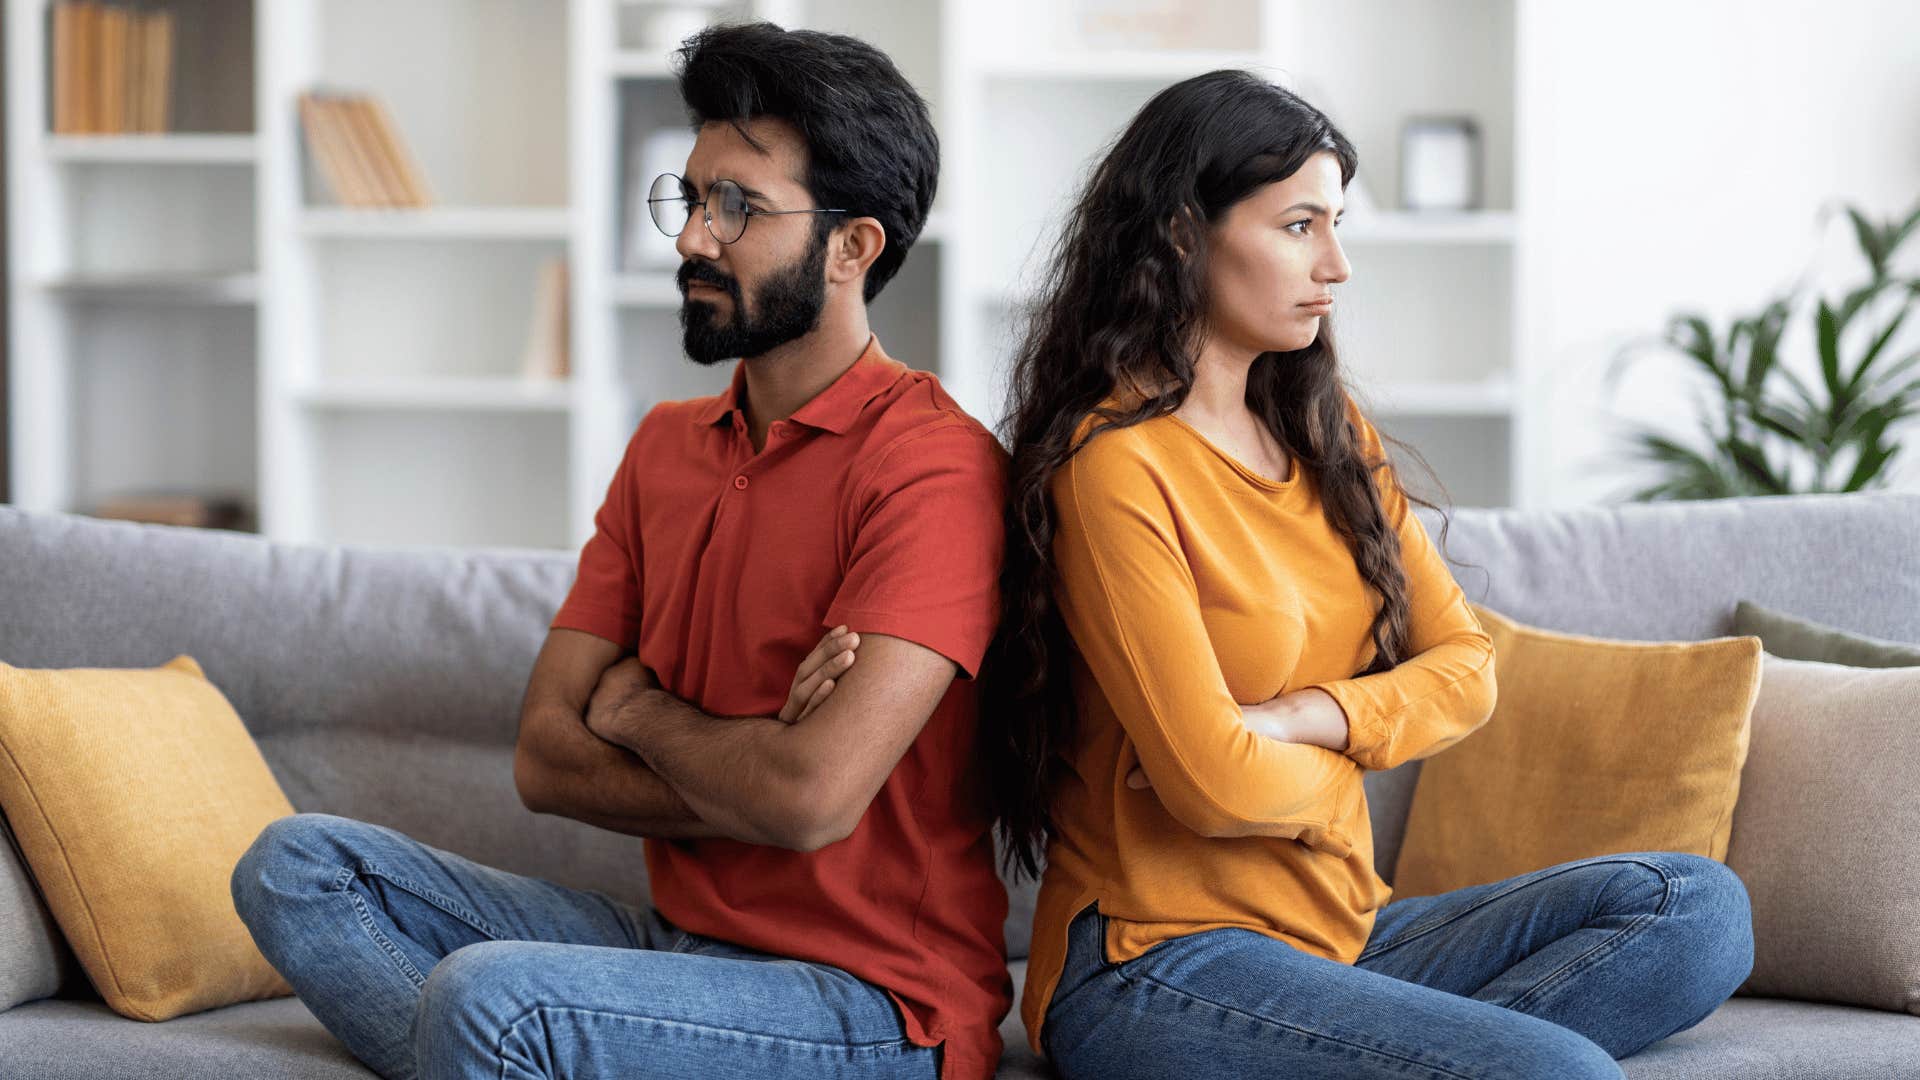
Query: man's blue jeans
[428,964]
[1555,973]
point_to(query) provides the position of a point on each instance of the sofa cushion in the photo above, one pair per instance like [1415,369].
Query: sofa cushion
[1594,746]
[1794,638]
[1772,1039]
[277,1039]
[1827,834]
[132,792]
[35,961]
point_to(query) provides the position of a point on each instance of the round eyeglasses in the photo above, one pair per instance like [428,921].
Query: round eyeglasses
[725,208]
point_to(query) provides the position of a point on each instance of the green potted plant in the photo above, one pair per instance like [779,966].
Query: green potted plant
[1766,430]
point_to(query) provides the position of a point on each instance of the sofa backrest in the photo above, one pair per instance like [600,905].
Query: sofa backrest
[1674,572]
[384,683]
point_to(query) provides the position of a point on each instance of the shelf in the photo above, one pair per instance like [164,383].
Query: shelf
[157,287]
[451,223]
[156,149]
[501,393]
[1143,65]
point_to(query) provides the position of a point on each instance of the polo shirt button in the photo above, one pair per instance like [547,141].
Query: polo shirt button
[740,482]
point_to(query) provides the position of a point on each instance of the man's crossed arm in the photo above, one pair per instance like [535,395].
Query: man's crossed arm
[625,755]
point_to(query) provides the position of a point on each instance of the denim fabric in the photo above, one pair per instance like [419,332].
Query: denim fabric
[426,964]
[1556,973]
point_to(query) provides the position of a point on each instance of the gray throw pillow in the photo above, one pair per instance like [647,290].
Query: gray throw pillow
[35,961]
[1826,834]
[1795,638]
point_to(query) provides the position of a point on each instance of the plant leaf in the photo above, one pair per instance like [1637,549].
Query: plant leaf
[1753,465]
[1870,242]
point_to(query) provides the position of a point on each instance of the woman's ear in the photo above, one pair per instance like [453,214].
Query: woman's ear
[1181,228]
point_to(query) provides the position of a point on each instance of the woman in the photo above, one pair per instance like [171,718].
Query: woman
[1218,613]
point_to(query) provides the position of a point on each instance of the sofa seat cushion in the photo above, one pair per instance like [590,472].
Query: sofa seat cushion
[61,1039]
[276,1039]
[1778,1039]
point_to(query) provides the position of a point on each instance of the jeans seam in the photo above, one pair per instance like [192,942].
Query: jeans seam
[876,1048]
[1613,942]
[421,892]
[381,940]
[1411,934]
[365,916]
[1270,1022]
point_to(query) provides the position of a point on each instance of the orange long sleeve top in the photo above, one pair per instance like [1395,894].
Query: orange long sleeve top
[1190,586]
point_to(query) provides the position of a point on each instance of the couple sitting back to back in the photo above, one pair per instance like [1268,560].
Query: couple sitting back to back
[829,638]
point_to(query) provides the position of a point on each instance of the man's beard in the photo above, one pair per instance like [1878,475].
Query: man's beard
[786,306]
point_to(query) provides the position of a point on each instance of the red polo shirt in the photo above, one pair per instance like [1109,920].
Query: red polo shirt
[877,505]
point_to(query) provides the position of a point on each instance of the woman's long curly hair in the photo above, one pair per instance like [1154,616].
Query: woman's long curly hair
[1123,308]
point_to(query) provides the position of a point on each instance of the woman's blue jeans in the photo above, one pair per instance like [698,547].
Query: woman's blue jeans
[1555,973]
[427,964]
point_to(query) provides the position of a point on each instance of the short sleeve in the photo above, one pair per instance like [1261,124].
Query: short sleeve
[927,543]
[605,597]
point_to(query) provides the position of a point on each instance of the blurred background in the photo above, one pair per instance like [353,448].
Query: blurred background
[364,271]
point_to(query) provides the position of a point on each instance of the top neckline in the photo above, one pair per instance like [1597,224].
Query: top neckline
[1239,466]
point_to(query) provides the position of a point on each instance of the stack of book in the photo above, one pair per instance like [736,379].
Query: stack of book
[351,138]
[203,511]
[112,68]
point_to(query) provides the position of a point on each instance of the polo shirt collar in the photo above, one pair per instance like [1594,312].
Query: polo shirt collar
[833,409]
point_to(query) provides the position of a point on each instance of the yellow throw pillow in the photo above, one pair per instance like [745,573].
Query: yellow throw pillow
[132,794]
[1595,747]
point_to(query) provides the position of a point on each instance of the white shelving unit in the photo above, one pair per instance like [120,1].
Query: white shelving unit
[189,313]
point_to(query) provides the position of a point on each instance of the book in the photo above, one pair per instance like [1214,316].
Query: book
[133,86]
[156,70]
[328,158]
[66,71]
[111,85]
[367,189]
[385,172]
[413,183]
[358,152]
[112,68]
[545,355]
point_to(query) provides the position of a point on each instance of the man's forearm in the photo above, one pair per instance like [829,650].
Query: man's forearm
[587,778]
[738,773]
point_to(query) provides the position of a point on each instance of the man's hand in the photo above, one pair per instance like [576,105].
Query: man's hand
[617,686]
[815,680]
[1310,716]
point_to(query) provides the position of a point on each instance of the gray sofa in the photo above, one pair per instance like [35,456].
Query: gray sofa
[384,684]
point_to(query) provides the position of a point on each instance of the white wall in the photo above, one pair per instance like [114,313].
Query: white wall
[1674,156]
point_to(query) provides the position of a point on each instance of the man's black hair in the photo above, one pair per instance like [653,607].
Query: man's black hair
[871,148]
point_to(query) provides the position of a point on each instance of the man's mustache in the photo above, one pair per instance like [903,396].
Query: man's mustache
[705,273]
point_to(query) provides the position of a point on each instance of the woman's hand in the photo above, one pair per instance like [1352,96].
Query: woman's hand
[1310,716]
[815,680]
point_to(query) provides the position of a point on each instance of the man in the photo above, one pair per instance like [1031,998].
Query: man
[765,667]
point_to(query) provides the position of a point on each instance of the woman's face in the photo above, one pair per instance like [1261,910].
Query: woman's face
[1274,252]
